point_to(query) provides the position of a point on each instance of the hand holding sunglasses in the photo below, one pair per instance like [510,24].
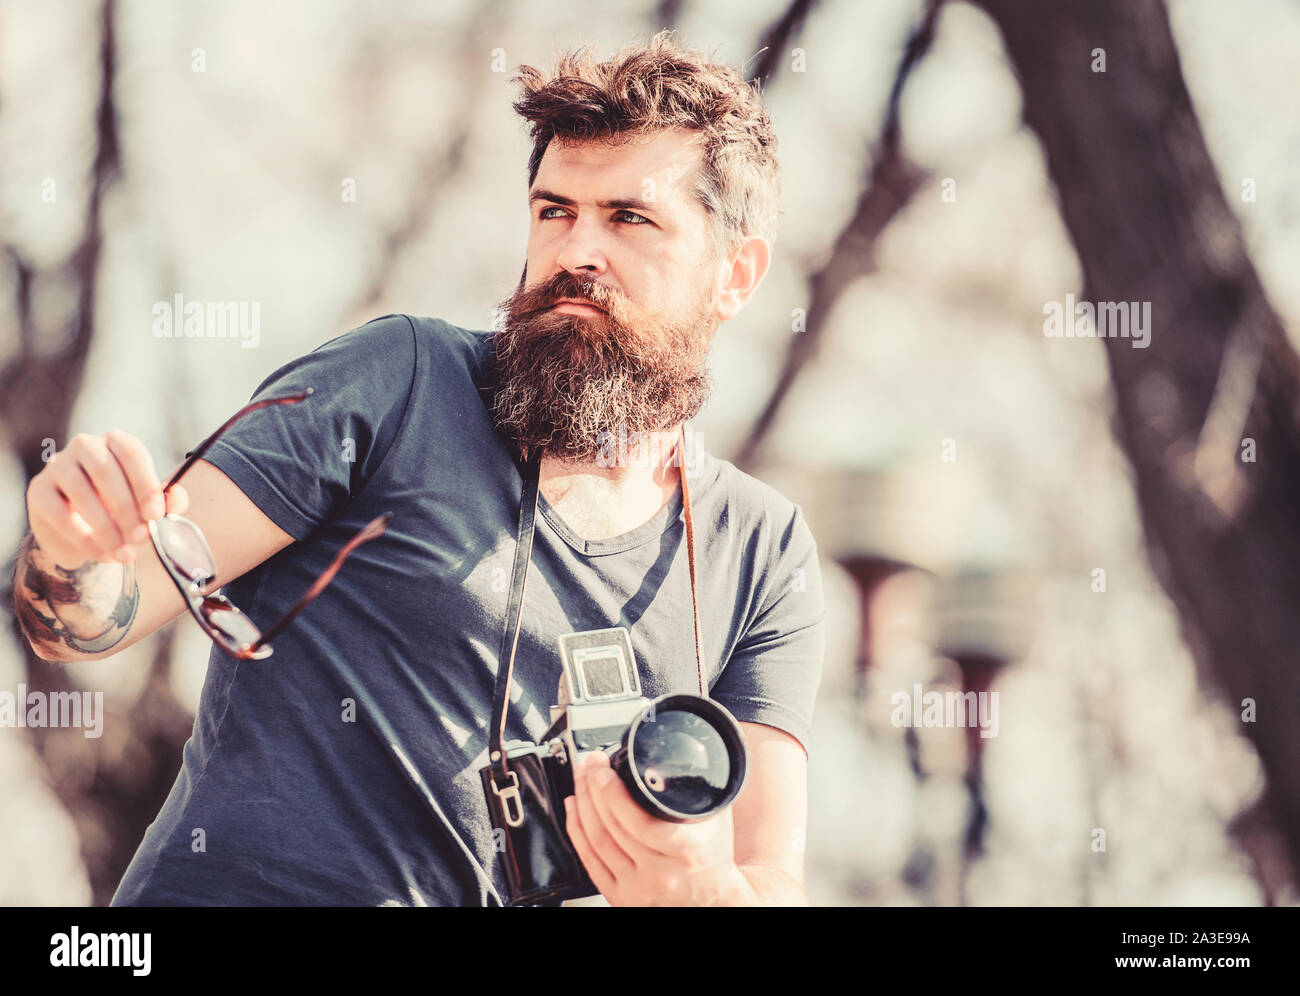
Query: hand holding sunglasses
[189,562]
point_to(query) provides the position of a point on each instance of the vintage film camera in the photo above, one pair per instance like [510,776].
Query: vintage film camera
[682,758]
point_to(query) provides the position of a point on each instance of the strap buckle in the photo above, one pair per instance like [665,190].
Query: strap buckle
[508,796]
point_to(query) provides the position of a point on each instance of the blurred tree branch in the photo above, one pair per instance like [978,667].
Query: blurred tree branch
[39,386]
[1145,208]
[772,46]
[439,163]
[666,13]
[890,182]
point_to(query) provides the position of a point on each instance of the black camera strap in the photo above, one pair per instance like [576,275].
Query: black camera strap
[505,782]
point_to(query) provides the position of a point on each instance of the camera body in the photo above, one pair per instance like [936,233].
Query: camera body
[541,866]
[681,757]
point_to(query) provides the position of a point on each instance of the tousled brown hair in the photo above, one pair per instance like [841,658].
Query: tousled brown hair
[645,88]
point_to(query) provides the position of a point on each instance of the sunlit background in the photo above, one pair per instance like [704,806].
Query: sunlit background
[958,468]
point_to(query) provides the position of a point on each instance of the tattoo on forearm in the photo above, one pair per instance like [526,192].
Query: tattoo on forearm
[88,608]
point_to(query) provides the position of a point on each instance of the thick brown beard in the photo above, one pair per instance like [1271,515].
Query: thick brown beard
[562,380]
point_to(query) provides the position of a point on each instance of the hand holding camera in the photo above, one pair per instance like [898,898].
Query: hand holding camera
[635,859]
[679,759]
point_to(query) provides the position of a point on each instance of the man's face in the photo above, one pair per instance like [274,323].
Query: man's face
[616,227]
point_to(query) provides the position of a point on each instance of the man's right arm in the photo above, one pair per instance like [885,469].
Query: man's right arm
[87,582]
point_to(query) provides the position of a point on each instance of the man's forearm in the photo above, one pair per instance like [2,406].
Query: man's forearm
[774,887]
[86,609]
[759,885]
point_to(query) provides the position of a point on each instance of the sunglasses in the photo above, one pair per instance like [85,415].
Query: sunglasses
[185,554]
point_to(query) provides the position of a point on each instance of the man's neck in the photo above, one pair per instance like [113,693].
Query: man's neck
[622,487]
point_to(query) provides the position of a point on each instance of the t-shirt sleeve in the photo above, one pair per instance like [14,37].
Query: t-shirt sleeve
[773,674]
[302,463]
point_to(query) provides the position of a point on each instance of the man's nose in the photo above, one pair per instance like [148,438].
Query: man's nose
[582,249]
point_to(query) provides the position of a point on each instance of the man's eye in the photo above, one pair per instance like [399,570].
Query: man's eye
[630,217]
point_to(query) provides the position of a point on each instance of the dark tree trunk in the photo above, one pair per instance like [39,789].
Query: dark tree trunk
[1148,217]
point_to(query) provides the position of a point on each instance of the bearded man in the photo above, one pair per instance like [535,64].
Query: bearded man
[345,769]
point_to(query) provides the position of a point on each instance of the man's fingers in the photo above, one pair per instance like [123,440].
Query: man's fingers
[80,529]
[178,500]
[598,836]
[621,816]
[71,532]
[114,490]
[76,489]
[596,869]
[142,476]
[94,499]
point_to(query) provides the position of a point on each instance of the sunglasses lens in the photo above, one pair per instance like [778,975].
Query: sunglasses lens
[186,548]
[229,621]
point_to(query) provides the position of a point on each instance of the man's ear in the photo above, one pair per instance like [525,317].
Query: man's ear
[739,275]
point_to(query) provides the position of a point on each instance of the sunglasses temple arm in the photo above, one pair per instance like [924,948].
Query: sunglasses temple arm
[375,528]
[204,446]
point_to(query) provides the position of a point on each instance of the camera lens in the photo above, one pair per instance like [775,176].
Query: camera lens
[683,759]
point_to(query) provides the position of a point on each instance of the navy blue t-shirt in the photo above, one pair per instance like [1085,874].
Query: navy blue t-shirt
[343,769]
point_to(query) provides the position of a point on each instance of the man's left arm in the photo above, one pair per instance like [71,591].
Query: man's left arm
[752,852]
[771,818]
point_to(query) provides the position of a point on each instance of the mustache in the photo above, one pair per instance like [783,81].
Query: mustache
[535,300]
